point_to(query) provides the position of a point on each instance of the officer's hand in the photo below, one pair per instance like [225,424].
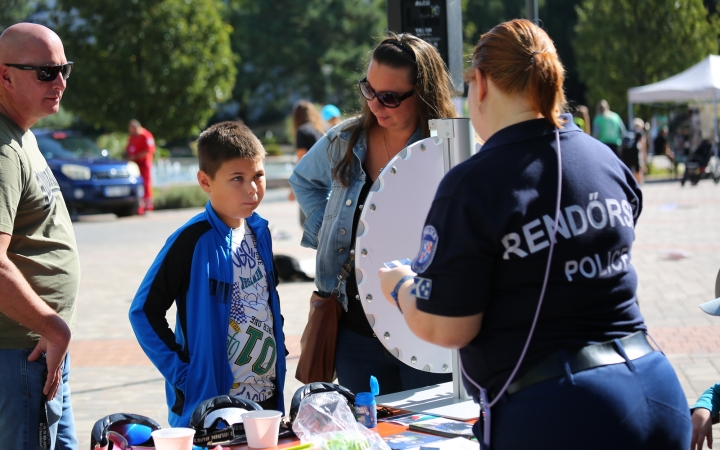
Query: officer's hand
[390,277]
[55,352]
[701,429]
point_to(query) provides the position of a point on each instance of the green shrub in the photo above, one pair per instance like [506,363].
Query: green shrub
[174,197]
[271,145]
[62,120]
[161,152]
[116,142]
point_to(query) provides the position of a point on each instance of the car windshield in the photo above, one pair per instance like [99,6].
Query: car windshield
[68,147]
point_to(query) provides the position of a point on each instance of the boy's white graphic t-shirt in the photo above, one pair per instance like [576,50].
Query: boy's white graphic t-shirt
[251,341]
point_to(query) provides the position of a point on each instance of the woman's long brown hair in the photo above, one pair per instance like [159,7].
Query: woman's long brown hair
[304,112]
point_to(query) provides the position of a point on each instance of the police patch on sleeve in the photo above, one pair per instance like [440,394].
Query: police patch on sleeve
[427,249]
[422,288]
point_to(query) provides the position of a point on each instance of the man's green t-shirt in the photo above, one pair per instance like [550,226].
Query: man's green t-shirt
[609,128]
[42,246]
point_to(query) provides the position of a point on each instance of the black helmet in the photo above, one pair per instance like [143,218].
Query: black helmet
[123,429]
[217,420]
[315,388]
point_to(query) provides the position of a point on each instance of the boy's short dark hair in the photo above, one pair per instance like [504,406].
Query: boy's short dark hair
[225,141]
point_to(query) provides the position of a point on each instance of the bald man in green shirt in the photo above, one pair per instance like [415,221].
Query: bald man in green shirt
[39,266]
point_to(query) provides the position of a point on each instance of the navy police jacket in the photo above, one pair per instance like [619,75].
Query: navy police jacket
[194,270]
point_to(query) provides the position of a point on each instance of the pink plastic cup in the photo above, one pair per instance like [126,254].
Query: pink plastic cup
[173,438]
[262,428]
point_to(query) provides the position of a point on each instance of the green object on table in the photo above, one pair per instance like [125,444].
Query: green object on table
[342,441]
[299,447]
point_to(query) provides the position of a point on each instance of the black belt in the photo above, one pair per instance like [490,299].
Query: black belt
[635,346]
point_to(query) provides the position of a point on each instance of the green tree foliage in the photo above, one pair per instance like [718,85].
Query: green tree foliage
[713,9]
[282,45]
[480,16]
[13,11]
[167,63]
[557,18]
[626,43]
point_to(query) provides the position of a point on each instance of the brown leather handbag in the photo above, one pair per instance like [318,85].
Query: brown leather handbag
[319,339]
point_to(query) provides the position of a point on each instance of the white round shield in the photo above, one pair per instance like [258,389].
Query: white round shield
[390,229]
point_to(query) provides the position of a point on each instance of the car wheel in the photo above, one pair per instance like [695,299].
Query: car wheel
[74,215]
[128,211]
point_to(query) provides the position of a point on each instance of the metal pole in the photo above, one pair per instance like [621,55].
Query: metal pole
[715,138]
[536,13]
[458,138]
[326,70]
[530,10]
[455,44]
[327,89]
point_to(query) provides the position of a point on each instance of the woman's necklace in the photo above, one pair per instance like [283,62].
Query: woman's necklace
[385,145]
[386,152]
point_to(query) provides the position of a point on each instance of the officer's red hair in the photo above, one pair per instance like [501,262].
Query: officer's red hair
[520,59]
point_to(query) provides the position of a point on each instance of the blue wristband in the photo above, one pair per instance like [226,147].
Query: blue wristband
[394,293]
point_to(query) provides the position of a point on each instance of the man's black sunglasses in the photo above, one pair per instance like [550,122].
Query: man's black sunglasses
[387,99]
[47,73]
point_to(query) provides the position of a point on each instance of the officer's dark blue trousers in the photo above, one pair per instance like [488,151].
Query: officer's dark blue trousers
[634,405]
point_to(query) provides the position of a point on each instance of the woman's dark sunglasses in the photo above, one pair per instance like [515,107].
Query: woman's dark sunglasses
[387,99]
[47,73]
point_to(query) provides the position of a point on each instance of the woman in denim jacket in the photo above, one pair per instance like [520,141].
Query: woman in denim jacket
[406,85]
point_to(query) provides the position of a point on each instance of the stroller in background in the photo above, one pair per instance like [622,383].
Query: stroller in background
[696,165]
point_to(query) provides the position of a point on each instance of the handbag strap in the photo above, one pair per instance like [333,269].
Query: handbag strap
[344,272]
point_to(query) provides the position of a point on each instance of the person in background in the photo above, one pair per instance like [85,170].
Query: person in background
[39,265]
[608,127]
[308,128]
[547,332]
[307,125]
[140,149]
[635,152]
[406,84]
[661,145]
[331,115]
[581,117]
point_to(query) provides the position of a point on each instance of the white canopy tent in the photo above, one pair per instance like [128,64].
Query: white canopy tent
[700,82]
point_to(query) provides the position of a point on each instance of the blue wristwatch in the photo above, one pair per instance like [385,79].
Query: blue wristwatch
[394,293]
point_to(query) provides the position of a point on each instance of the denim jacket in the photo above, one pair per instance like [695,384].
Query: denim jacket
[330,206]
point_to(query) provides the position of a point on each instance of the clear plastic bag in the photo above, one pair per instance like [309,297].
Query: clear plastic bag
[326,421]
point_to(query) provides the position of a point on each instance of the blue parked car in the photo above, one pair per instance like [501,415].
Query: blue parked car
[90,182]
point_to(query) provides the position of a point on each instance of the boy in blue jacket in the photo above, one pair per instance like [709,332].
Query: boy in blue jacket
[218,270]
[705,411]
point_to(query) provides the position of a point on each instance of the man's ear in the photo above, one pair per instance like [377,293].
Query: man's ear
[204,181]
[5,80]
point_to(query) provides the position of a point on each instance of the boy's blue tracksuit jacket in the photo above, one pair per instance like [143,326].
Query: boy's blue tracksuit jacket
[194,269]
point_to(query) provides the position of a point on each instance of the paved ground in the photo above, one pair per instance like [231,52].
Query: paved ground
[676,254]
